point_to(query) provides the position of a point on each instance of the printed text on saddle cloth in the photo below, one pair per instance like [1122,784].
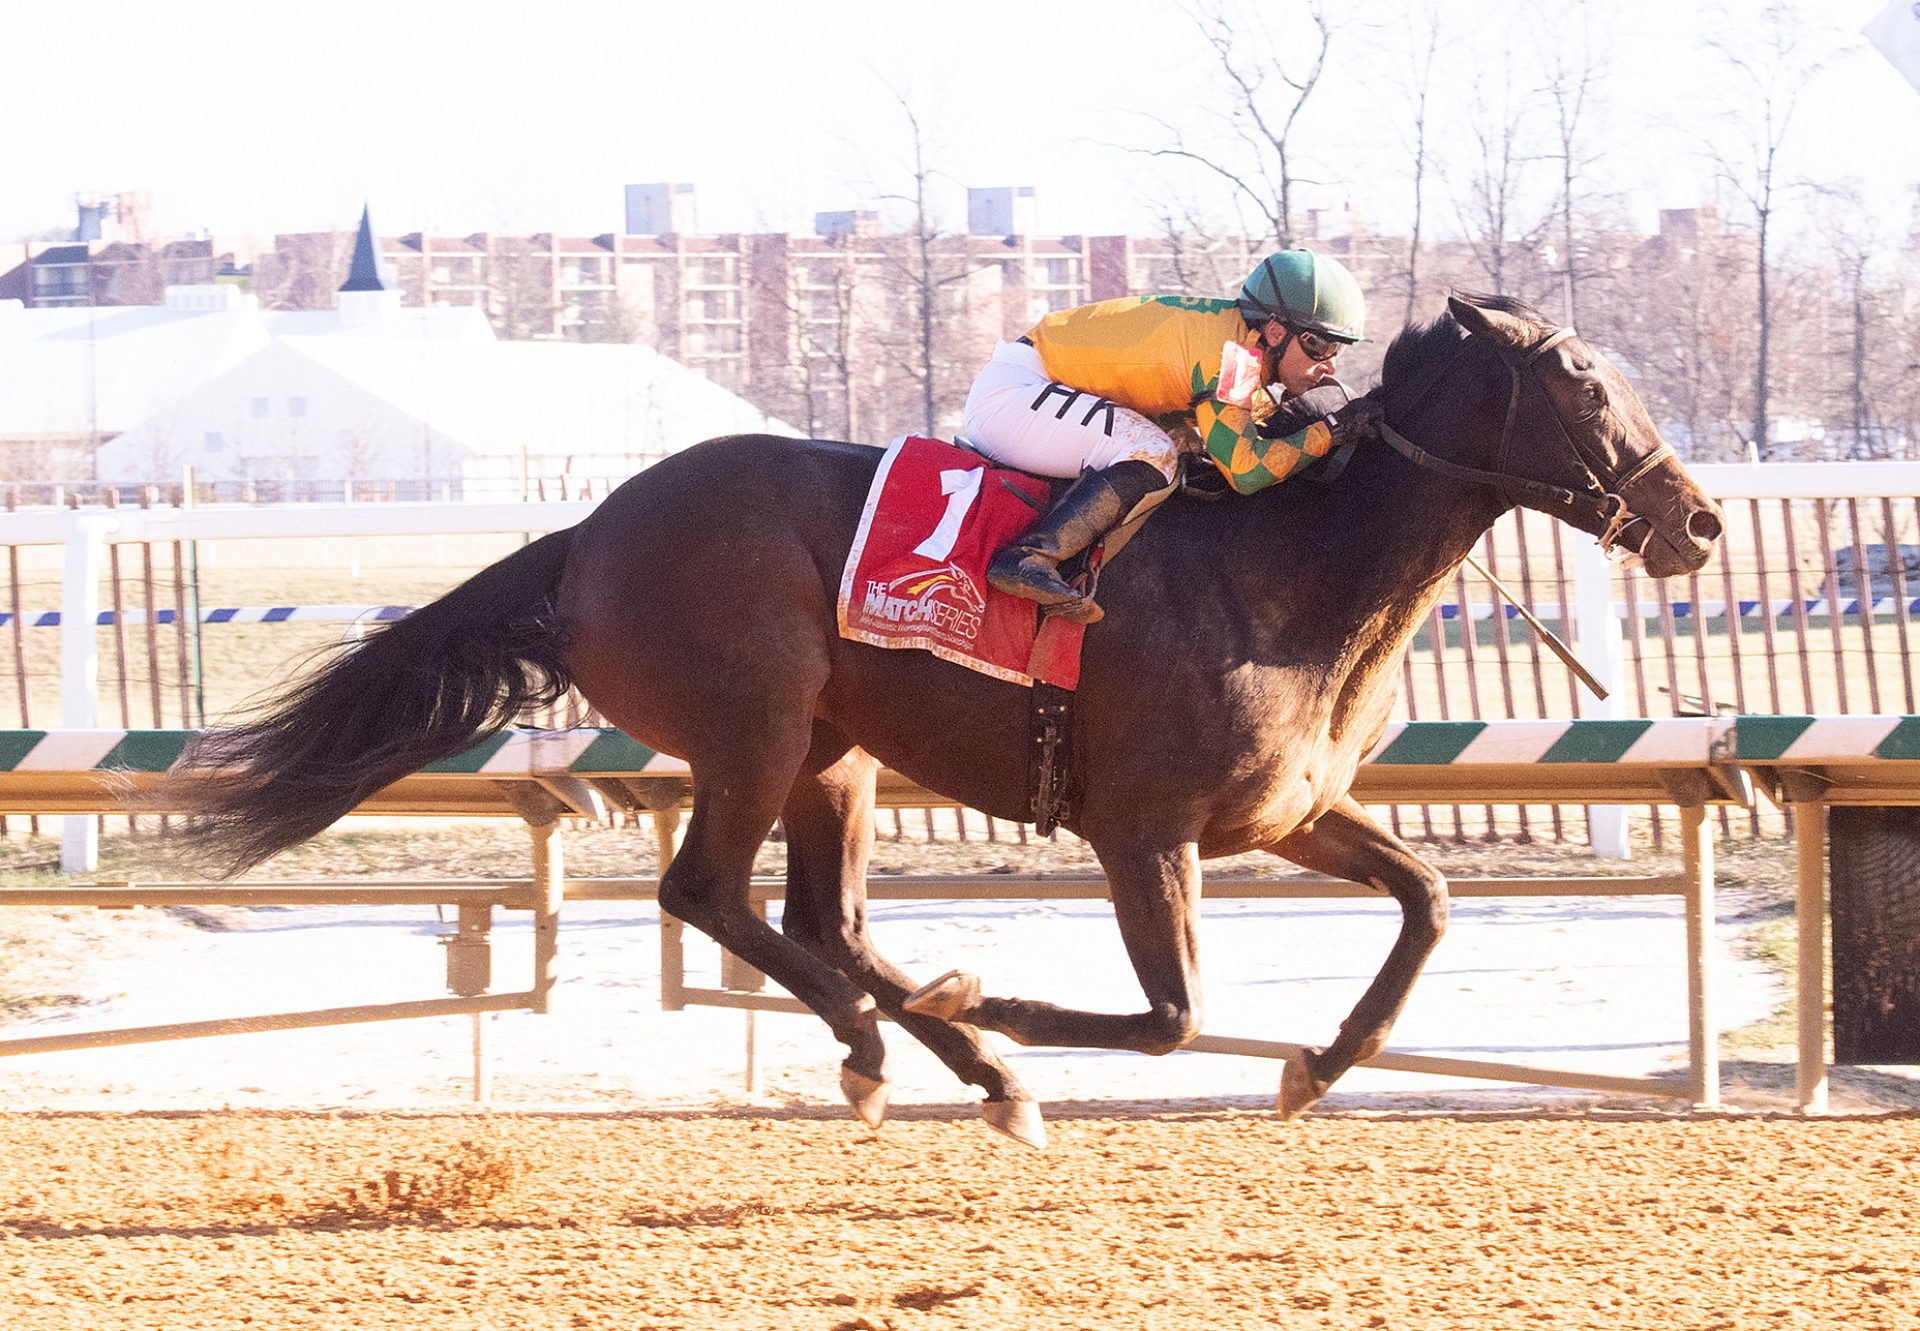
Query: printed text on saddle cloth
[916,576]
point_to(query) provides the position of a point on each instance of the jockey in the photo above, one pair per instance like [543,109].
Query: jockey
[1094,391]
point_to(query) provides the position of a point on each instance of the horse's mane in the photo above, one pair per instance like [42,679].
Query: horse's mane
[1416,346]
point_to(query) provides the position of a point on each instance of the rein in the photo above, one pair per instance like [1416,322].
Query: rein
[1601,504]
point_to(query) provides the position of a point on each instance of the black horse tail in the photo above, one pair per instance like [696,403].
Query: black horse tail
[410,693]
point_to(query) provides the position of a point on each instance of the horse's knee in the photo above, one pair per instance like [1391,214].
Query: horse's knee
[1425,905]
[1171,1027]
[800,927]
[685,897]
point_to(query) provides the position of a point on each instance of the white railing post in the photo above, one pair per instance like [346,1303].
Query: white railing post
[1596,631]
[80,668]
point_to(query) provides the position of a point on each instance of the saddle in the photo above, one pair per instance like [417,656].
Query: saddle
[1084,568]
[915,577]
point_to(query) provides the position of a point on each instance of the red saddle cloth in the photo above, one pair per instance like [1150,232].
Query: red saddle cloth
[917,573]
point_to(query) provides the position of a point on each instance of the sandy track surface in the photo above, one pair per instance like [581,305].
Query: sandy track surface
[1156,1220]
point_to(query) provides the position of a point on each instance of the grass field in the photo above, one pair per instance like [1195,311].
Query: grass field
[236,660]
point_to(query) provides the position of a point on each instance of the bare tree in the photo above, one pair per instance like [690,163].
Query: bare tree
[1268,81]
[1769,66]
[1198,260]
[303,271]
[138,272]
[1424,32]
[1692,348]
[1574,66]
[928,273]
[1903,406]
[1865,303]
[1493,205]
[819,304]
[610,319]
[520,298]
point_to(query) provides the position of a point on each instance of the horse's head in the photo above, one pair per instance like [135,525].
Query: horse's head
[1580,445]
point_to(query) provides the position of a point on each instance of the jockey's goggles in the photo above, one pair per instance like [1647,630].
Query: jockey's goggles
[1316,345]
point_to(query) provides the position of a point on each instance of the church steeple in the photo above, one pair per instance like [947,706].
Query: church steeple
[369,271]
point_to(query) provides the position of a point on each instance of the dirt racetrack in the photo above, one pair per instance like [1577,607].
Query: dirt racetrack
[1215,1219]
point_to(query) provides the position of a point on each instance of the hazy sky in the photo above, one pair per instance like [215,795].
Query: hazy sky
[492,116]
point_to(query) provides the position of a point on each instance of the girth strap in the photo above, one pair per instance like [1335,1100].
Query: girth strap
[1050,772]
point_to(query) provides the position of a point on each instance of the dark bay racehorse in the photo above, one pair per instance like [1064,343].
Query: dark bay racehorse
[1246,664]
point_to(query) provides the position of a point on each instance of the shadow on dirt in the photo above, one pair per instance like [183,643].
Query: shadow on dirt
[39,1228]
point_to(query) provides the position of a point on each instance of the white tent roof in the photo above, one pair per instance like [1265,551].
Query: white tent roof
[98,371]
[547,398]
[166,380]
[433,322]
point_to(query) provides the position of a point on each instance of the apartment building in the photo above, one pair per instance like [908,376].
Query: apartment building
[62,274]
[854,329]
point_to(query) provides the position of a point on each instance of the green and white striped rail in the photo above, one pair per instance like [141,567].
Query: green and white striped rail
[508,754]
[1684,740]
[1858,759]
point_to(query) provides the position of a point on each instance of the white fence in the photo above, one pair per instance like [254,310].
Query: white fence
[1592,606]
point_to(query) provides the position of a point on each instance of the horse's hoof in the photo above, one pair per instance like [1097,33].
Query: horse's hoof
[1298,1089]
[867,1095]
[947,998]
[1018,1119]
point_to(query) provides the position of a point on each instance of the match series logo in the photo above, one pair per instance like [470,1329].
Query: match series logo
[944,599]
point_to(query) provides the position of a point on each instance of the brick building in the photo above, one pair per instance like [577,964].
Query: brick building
[854,330]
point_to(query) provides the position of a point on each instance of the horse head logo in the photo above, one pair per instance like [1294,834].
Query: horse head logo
[949,582]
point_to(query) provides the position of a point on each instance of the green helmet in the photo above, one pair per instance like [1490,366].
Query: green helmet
[1305,290]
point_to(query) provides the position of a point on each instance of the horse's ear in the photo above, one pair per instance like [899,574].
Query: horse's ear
[1494,325]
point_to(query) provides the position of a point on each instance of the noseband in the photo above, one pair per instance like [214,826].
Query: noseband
[1601,503]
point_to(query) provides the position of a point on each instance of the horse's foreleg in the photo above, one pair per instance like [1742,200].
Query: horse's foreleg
[1156,897]
[707,885]
[1348,844]
[829,825]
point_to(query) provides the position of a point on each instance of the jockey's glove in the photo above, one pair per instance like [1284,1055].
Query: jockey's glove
[1348,420]
[1358,422]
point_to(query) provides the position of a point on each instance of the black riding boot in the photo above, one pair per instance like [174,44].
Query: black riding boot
[1097,503]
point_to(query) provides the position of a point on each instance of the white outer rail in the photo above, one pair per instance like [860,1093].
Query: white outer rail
[85,533]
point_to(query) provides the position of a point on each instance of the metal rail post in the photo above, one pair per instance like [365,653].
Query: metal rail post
[550,885]
[80,668]
[1703,1037]
[673,955]
[1597,634]
[470,974]
[1810,916]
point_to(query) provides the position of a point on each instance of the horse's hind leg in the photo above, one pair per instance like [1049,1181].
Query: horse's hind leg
[1348,844]
[829,826]
[734,805]
[1156,897]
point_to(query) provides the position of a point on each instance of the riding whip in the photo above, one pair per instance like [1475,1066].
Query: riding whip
[1560,649]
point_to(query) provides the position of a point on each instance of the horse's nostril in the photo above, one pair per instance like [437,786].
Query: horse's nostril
[1703,525]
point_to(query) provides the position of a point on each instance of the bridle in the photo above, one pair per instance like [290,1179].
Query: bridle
[1601,503]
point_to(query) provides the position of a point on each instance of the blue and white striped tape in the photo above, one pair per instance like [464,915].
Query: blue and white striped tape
[233,614]
[1884,605]
[376,614]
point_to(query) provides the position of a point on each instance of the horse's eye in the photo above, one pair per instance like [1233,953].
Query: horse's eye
[1593,394]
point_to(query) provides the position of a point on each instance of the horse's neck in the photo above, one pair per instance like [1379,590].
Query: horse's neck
[1439,527]
[1427,524]
[1403,534]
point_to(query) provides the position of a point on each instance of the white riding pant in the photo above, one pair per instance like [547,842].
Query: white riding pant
[1017,415]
